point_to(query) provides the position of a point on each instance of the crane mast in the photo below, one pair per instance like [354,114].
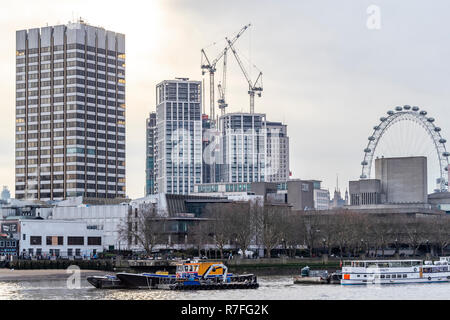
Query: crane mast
[253,87]
[206,65]
[222,87]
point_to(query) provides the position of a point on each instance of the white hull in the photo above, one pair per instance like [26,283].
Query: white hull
[365,272]
[395,281]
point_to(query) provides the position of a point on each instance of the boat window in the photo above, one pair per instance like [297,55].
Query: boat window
[186,268]
[405,276]
[388,276]
[365,276]
[358,275]
[377,276]
[382,276]
[394,276]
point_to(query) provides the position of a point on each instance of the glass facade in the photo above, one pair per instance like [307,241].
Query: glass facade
[150,154]
[243,146]
[179,136]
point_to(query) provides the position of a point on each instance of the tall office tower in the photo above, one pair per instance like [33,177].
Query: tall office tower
[277,161]
[150,154]
[178,136]
[70,112]
[243,147]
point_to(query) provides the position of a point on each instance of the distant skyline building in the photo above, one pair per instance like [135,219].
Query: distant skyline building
[6,195]
[277,160]
[150,154]
[243,142]
[179,136]
[70,112]
[321,196]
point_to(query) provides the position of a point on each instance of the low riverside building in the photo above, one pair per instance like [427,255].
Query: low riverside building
[38,237]
[297,193]
[178,212]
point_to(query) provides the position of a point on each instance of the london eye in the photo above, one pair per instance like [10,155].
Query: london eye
[399,134]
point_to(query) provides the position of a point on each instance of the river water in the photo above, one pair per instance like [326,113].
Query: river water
[271,288]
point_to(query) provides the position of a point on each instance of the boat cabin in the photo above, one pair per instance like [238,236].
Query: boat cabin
[197,269]
[382,263]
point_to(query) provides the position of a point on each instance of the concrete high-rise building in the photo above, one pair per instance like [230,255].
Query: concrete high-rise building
[243,147]
[401,180]
[277,160]
[70,112]
[150,145]
[179,136]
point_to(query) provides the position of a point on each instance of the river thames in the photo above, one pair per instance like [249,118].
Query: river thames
[271,288]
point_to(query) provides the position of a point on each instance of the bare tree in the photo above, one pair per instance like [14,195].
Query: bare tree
[272,225]
[310,225]
[327,226]
[143,226]
[219,225]
[242,219]
[439,231]
[415,232]
[199,235]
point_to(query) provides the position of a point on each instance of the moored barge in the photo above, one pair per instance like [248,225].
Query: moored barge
[190,275]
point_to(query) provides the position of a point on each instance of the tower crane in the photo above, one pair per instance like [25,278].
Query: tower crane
[207,65]
[223,85]
[253,87]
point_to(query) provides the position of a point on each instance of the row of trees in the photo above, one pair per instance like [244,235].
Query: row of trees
[242,225]
[345,232]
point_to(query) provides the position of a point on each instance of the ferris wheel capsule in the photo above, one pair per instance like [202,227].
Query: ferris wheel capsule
[406,107]
[423,112]
[415,108]
[437,129]
[390,112]
[442,140]
[446,154]
[364,163]
[363,176]
[376,128]
[430,119]
[371,138]
[367,150]
[398,108]
[383,119]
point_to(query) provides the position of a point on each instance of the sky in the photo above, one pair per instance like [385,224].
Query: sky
[331,69]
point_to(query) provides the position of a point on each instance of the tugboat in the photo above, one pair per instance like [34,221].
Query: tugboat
[190,275]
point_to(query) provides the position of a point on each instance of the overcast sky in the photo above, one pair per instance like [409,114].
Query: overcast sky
[326,74]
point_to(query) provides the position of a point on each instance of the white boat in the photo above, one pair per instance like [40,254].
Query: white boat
[395,271]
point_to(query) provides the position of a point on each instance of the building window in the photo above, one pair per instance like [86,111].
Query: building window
[55,241]
[35,240]
[70,252]
[73,241]
[77,252]
[94,241]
